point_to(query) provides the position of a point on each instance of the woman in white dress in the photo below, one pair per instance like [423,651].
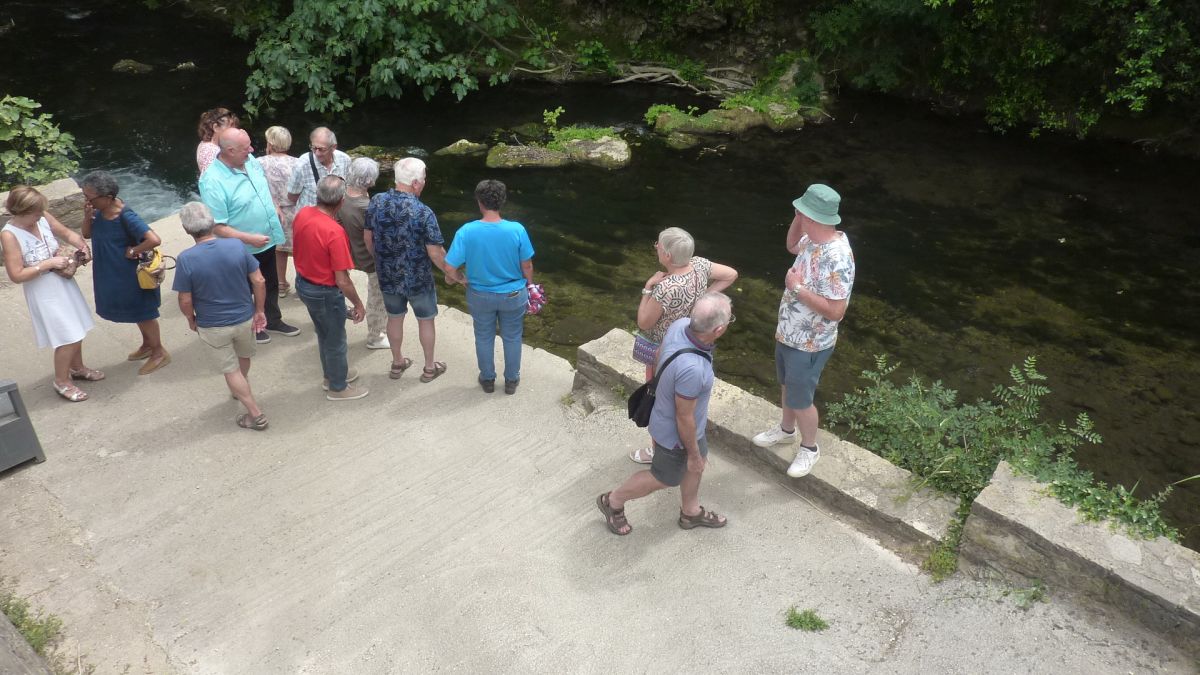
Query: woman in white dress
[61,317]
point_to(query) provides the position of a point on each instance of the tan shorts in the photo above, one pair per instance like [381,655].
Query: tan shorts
[229,343]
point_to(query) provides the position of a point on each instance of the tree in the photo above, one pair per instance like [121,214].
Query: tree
[1058,64]
[334,53]
[32,148]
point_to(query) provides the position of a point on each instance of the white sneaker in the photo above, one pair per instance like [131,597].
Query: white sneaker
[804,462]
[381,343]
[351,375]
[776,435]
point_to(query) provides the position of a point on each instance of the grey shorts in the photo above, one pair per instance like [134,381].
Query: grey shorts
[799,372]
[670,464]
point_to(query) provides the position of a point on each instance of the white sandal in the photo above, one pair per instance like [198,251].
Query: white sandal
[642,455]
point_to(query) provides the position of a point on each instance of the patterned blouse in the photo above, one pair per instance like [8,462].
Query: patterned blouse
[677,293]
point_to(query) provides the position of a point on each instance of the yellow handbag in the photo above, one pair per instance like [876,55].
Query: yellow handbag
[152,268]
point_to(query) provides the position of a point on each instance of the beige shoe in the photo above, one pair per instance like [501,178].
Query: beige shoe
[351,375]
[350,393]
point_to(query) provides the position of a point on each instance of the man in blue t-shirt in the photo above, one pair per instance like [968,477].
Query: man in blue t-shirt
[499,260]
[678,420]
[210,278]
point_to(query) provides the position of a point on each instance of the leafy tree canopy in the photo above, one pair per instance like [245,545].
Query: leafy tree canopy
[333,53]
[1058,64]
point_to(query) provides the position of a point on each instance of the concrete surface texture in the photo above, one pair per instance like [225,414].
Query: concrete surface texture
[435,527]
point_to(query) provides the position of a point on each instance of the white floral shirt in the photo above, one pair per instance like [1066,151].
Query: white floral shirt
[828,271]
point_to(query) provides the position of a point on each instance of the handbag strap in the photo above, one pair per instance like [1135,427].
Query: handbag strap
[686,350]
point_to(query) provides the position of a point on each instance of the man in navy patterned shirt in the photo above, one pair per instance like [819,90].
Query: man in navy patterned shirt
[405,238]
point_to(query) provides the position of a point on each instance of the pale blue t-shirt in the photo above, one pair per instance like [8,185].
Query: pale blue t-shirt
[214,272]
[689,376]
[493,253]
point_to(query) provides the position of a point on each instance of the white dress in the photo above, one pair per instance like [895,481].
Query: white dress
[59,313]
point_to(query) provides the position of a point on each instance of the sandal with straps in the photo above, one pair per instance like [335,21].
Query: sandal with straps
[70,392]
[705,518]
[398,369]
[87,374]
[613,518]
[431,374]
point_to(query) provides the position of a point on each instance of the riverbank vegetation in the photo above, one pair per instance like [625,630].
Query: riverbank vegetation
[955,447]
[1064,67]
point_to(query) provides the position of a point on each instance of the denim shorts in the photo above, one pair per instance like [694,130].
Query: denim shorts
[799,372]
[424,304]
[670,464]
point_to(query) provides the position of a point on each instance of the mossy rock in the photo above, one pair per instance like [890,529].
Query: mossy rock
[606,152]
[525,156]
[462,148]
[681,141]
[713,122]
[386,156]
[131,67]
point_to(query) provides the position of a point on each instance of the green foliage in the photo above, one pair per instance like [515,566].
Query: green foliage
[1057,67]
[559,137]
[33,150]
[592,55]
[40,630]
[335,53]
[955,447]
[657,109]
[806,620]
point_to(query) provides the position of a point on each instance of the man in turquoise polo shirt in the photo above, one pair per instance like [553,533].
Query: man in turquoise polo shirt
[235,190]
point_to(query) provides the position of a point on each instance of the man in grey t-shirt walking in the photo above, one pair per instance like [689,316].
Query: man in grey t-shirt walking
[679,418]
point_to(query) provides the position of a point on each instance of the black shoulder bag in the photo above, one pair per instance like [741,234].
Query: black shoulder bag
[641,401]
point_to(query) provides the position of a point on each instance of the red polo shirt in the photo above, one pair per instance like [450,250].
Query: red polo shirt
[320,246]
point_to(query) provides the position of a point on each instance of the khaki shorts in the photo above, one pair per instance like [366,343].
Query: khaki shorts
[229,343]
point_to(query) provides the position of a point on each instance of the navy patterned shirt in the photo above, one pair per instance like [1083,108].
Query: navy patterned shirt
[402,226]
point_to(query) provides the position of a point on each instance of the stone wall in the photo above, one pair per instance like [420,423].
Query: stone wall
[1018,532]
[66,202]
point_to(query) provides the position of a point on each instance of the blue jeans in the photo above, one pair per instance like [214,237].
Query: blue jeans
[508,311]
[327,307]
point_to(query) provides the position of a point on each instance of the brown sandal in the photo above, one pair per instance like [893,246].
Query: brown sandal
[613,518]
[431,374]
[705,518]
[398,369]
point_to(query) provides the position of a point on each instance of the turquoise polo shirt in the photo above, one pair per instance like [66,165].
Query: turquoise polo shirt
[242,200]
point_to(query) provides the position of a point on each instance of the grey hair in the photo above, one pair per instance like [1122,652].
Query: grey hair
[711,311]
[329,135]
[677,244]
[102,182]
[409,170]
[364,171]
[331,190]
[196,218]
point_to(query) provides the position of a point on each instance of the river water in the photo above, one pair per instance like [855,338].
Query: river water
[974,249]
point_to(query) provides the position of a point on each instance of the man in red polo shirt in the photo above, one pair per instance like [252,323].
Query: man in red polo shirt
[321,252]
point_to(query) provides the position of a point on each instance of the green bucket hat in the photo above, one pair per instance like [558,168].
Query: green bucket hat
[820,202]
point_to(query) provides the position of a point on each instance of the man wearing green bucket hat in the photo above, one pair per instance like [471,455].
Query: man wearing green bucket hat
[814,300]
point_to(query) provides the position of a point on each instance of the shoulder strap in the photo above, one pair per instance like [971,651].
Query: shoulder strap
[312,164]
[686,350]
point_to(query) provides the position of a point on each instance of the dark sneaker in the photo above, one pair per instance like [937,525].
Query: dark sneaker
[261,337]
[283,329]
[510,386]
[488,386]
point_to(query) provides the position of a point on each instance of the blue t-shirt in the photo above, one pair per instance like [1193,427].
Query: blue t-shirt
[401,227]
[493,253]
[214,272]
[689,376]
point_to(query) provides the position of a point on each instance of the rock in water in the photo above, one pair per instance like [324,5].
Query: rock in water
[462,147]
[132,67]
[606,152]
[523,156]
